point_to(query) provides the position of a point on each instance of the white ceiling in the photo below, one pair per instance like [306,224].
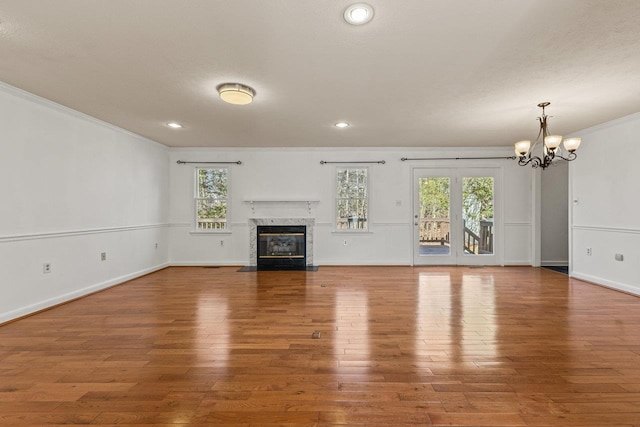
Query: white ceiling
[422,73]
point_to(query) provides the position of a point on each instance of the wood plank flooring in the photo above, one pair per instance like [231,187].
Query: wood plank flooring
[398,346]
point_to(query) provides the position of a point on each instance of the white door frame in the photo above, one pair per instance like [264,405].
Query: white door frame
[459,258]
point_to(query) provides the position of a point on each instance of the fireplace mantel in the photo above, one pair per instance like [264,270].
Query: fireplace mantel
[277,200]
[254,201]
[253,235]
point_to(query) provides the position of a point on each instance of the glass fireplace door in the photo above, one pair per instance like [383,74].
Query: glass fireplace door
[281,247]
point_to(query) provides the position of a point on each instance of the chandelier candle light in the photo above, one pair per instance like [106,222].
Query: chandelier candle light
[550,146]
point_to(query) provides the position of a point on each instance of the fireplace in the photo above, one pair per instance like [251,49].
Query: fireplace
[281,247]
[306,223]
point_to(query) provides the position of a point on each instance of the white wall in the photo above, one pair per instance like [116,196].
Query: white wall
[72,187]
[297,174]
[555,214]
[604,213]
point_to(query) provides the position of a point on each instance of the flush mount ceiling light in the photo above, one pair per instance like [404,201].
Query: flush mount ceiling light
[236,93]
[551,148]
[174,125]
[342,125]
[358,14]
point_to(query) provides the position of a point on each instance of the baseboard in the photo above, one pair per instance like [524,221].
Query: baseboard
[61,299]
[518,263]
[70,296]
[606,283]
[338,263]
[364,265]
[207,264]
[554,263]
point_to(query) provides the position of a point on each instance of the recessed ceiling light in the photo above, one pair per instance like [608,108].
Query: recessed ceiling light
[236,93]
[174,125]
[358,14]
[342,125]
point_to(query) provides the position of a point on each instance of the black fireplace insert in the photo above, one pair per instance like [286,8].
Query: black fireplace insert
[282,247]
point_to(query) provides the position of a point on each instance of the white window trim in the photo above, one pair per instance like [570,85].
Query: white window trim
[194,186]
[336,230]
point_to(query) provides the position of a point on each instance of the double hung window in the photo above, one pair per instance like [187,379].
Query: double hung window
[211,199]
[352,199]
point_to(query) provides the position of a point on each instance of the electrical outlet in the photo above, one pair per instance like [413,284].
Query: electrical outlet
[589,252]
[345,242]
[103,256]
[46,267]
[156,246]
[221,243]
[619,257]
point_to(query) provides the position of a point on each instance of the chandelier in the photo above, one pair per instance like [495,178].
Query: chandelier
[550,146]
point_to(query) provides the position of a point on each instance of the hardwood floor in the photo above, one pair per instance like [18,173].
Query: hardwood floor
[398,346]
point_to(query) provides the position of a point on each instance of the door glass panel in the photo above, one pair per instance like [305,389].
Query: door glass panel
[477,214]
[434,216]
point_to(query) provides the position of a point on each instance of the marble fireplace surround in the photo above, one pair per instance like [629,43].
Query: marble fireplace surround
[253,235]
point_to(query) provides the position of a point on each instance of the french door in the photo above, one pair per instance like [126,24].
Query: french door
[457,216]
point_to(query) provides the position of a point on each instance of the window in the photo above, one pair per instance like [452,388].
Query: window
[352,199]
[211,199]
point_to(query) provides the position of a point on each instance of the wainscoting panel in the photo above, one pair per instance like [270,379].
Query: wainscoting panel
[601,266]
[517,240]
[76,264]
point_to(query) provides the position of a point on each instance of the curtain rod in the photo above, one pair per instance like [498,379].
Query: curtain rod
[380,162]
[457,158]
[182,162]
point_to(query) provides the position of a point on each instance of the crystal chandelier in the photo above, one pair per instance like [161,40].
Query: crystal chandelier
[550,146]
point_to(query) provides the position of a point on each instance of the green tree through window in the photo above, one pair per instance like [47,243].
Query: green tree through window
[434,197]
[477,201]
[352,200]
[211,198]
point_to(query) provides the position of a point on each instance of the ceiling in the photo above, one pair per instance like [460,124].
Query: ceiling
[421,73]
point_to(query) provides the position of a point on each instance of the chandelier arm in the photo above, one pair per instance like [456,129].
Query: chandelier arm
[570,157]
[535,161]
[543,127]
[540,132]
